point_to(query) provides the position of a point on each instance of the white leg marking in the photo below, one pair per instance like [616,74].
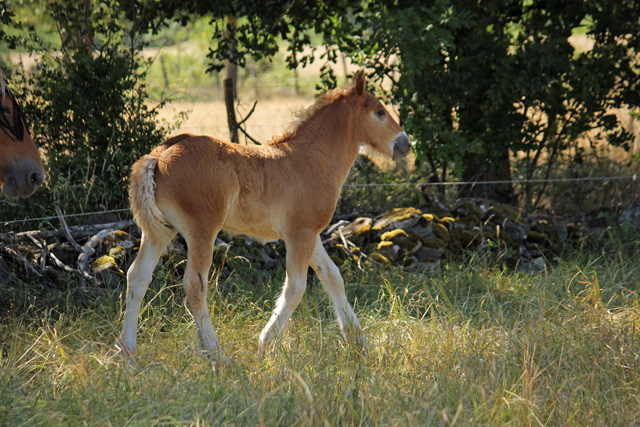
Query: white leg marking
[138,279]
[333,283]
[298,253]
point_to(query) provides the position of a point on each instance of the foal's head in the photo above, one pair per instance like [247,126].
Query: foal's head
[21,169]
[378,129]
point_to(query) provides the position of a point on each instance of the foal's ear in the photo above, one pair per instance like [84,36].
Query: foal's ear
[360,82]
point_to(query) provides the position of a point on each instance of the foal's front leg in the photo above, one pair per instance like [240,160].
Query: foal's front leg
[299,250]
[333,283]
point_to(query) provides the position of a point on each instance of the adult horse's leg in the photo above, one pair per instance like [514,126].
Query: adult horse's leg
[199,256]
[332,281]
[299,250]
[138,279]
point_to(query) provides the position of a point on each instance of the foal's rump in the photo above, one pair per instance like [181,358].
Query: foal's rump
[179,185]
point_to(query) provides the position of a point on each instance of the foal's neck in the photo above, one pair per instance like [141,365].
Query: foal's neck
[332,136]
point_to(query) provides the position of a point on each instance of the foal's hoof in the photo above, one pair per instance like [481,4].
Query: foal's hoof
[356,339]
[267,348]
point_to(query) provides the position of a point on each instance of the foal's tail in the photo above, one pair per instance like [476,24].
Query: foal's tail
[143,202]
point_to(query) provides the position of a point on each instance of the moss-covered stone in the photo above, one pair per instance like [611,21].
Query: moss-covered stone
[442,232]
[446,220]
[437,209]
[107,271]
[401,238]
[505,237]
[390,250]
[378,257]
[428,217]
[118,253]
[470,221]
[117,238]
[410,263]
[466,207]
[103,263]
[435,243]
[499,212]
[427,253]
[420,232]
[394,235]
[398,218]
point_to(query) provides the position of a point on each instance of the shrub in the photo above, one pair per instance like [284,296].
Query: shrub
[88,108]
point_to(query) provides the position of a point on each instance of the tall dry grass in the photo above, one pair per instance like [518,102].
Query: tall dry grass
[474,345]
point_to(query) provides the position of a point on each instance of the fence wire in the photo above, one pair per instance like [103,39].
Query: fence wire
[633,177]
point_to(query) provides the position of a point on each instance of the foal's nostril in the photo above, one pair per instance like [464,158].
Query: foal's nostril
[36,179]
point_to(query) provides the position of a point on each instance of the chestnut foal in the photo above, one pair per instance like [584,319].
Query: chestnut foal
[287,189]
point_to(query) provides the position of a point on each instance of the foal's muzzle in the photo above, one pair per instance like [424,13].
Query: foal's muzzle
[401,146]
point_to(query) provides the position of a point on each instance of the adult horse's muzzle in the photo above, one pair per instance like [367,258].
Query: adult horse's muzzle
[401,146]
[23,178]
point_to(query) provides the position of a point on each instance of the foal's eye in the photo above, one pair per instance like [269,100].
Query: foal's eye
[380,113]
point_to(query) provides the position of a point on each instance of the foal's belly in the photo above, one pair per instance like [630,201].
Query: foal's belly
[261,234]
[261,225]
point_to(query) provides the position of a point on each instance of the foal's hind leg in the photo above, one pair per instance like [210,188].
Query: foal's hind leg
[332,281]
[138,279]
[299,250]
[199,255]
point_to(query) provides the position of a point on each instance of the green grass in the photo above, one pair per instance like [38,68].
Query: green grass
[468,345]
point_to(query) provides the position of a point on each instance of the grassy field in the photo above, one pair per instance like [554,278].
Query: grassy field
[468,345]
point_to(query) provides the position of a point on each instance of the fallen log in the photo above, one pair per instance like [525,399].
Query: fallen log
[26,264]
[76,231]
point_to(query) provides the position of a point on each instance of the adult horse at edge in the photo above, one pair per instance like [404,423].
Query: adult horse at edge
[21,171]
[287,189]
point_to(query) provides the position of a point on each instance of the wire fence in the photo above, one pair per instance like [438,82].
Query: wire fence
[633,177]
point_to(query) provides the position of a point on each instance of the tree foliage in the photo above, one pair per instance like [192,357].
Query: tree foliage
[258,26]
[478,82]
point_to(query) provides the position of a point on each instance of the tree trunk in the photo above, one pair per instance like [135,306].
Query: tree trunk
[229,100]
[477,169]
[231,88]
